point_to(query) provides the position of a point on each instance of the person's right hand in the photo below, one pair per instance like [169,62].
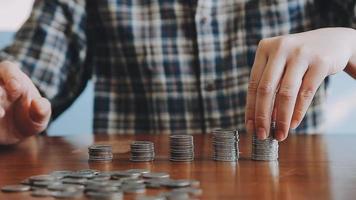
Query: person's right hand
[23,111]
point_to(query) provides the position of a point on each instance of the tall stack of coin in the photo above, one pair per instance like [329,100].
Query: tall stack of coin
[265,150]
[100,152]
[225,145]
[142,151]
[181,148]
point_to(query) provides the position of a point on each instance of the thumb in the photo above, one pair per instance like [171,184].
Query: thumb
[40,113]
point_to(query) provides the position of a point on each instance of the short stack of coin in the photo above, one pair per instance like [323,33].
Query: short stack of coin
[100,152]
[142,151]
[225,145]
[267,149]
[181,148]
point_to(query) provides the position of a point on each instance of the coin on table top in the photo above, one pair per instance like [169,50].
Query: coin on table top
[105,195]
[41,193]
[156,175]
[15,188]
[171,183]
[150,198]
[141,171]
[44,177]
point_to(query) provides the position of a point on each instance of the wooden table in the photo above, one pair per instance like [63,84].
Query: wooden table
[310,167]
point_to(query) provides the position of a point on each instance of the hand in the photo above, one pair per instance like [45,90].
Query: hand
[23,112]
[287,72]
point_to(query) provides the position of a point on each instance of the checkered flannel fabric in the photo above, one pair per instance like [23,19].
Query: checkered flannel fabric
[159,66]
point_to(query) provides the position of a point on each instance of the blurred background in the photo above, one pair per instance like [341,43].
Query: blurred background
[341,106]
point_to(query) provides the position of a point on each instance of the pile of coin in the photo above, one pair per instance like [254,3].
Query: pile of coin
[225,145]
[265,150]
[181,148]
[106,185]
[100,152]
[142,151]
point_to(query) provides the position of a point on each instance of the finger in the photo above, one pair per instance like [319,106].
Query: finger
[2,112]
[40,112]
[311,82]
[287,95]
[256,73]
[266,92]
[13,80]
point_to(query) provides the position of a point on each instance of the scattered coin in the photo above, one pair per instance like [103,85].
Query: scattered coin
[105,195]
[150,198]
[176,183]
[15,188]
[141,171]
[44,177]
[42,193]
[156,175]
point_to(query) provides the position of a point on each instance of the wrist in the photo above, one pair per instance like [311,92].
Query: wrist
[351,65]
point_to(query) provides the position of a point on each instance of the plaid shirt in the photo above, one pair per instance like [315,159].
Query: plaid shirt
[174,66]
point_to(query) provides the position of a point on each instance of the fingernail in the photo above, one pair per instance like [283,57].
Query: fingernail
[294,124]
[250,127]
[280,135]
[261,133]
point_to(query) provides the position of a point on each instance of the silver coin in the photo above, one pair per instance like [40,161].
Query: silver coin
[41,193]
[44,177]
[150,198]
[171,183]
[78,181]
[134,188]
[141,171]
[225,145]
[15,188]
[66,194]
[105,195]
[264,150]
[156,175]
[65,187]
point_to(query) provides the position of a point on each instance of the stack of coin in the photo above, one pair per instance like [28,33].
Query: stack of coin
[225,145]
[182,148]
[265,150]
[142,151]
[100,152]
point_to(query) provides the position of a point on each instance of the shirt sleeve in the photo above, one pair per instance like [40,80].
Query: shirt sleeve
[51,49]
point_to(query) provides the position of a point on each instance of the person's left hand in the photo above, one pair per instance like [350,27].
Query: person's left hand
[287,72]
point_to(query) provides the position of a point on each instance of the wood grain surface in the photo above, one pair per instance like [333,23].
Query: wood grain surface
[309,167]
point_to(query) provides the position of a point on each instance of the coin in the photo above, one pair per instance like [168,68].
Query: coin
[225,145]
[42,193]
[15,188]
[100,152]
[156,175]
[142,151]
[181,148]
[70,185]
[43,177]
[267,149]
